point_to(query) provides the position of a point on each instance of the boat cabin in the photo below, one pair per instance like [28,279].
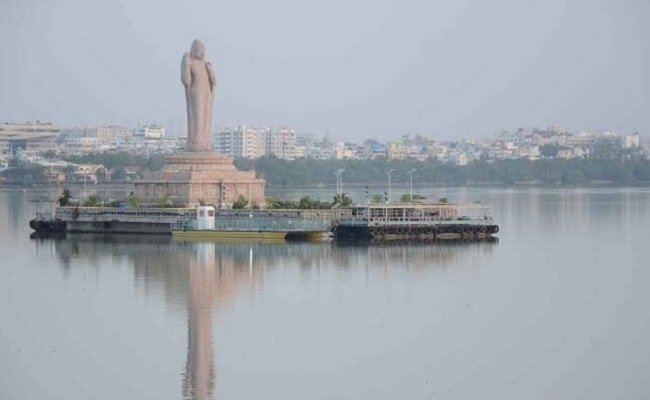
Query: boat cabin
[409,213]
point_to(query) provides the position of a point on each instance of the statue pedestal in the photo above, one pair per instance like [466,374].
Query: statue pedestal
[191,178]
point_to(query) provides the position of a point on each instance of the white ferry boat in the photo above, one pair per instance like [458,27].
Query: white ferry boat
[409,220]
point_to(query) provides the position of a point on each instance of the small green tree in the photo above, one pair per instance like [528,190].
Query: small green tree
[101,174]
[377,198]
[306,203]
[272,202]
[241,203]
[133,201]
[164,201]
[65,197]
[343,199]
[443,200]
[549,150]
[406,198]
[93,201]
[118,174]
[69,172]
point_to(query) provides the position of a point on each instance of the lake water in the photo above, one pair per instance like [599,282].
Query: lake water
[559,308]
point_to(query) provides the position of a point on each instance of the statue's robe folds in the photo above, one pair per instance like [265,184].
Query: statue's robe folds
[199,80]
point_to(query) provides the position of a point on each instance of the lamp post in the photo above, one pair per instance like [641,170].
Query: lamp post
[390,171]
[411,172]
[339,180]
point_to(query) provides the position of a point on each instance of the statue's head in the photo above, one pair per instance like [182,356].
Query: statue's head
[198,49]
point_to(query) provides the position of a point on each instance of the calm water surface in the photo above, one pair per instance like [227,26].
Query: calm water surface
[557,309]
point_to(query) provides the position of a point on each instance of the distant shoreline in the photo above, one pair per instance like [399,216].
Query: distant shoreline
[396,186]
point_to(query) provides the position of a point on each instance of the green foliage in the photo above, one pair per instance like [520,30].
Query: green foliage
[65,197]
[443,200]
[16,162]
[153,163]
[101,174]
[305,172]
[121,159]
[50,155]
[343,199]
[377,198]
[406,198]
[118,174]
[117,161]
[39,172]
[93,201]
[133,201]
[306,203]
[164,201]
[549,150]
[272,202]
[241,203]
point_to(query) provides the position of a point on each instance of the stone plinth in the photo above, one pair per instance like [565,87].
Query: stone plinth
[194,177]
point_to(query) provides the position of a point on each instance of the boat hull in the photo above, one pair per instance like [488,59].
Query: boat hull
[232,235]
[439,231]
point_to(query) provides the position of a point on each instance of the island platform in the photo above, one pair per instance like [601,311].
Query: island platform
[359,222]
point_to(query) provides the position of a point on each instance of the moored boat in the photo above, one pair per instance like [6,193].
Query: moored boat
[411,220]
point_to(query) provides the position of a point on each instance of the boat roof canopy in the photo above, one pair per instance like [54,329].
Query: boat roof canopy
[418,206]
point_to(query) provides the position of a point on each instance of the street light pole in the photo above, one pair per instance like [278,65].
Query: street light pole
[390,171]
[339,180]
[336,174]
[411,172]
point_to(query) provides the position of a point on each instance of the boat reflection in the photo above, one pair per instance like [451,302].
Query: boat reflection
[198,279]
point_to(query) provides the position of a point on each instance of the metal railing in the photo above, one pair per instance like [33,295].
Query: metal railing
[136,214]
[418,214]
[362,221]
[270,220]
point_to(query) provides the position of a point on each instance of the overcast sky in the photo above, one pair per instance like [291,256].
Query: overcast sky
[353,68]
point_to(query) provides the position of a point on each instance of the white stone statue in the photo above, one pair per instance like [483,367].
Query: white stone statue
[199,80]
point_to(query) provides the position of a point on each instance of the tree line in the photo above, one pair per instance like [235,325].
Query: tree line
[307,172]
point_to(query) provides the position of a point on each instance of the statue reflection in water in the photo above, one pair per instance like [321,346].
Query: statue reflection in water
[199,278]
[198,381]
[203,279]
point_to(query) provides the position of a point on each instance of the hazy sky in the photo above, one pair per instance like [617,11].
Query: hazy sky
[353,68]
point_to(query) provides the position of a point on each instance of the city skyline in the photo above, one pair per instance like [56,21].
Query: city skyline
[376,70]
[171,132]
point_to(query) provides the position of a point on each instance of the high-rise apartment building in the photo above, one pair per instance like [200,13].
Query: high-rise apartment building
[250,142]
[109,133]
[281,142]
[240,141]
